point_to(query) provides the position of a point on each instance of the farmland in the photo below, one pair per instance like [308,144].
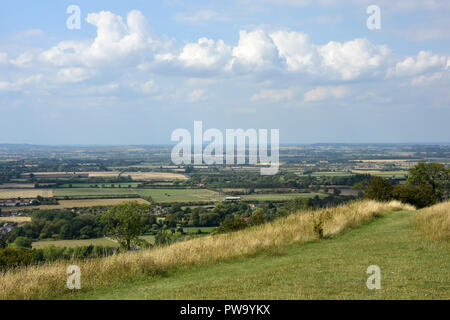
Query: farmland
[113,174]
[385,174]
[280,196]
[327,174]
[103,185]
[87,203]
[25,193]
[141,175]
[15,219]
[158,195]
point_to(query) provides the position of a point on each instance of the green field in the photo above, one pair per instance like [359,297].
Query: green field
[384,174]
[411,268]
[327,174]
[158,195]
[195,229]
[280,196]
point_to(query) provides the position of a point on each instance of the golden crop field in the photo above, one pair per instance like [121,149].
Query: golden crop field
[68,204]
[15,219]
[25,193]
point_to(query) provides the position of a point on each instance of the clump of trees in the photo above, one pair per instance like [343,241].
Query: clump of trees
[60,225]
[427,184]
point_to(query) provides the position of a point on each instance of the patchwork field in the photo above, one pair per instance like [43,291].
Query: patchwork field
[25,193]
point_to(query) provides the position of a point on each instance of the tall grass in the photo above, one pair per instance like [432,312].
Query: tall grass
[46,281]
[434,221]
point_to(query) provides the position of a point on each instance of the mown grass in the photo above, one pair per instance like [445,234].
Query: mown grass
[335,268]
[39,282]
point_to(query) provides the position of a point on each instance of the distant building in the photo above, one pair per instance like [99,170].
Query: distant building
[232,199]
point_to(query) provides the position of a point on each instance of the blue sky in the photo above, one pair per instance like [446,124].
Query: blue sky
[137,70]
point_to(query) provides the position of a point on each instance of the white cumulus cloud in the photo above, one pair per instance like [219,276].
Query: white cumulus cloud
[325,93]
[424,62]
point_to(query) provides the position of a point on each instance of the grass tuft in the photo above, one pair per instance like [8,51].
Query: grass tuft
[434,221]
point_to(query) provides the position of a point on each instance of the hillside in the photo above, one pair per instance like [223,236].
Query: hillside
[281,260]
[411,268]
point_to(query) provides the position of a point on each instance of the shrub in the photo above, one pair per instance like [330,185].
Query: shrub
[11,257]
[22,242]
[418,196]
[229,225]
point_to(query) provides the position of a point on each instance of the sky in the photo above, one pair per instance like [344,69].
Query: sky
[134,71]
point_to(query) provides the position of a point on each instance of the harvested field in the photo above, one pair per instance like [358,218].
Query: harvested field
[15,219]
[86,203]
[141,175]
[25,193]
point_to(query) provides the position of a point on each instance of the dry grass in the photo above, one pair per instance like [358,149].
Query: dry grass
[435,221]
[39,282]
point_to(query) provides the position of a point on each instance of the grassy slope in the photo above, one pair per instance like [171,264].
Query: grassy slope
[411,268]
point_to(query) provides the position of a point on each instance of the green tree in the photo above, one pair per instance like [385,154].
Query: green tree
[432,174]
[419,197]
[125,222]
[229,225]
[379,189]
